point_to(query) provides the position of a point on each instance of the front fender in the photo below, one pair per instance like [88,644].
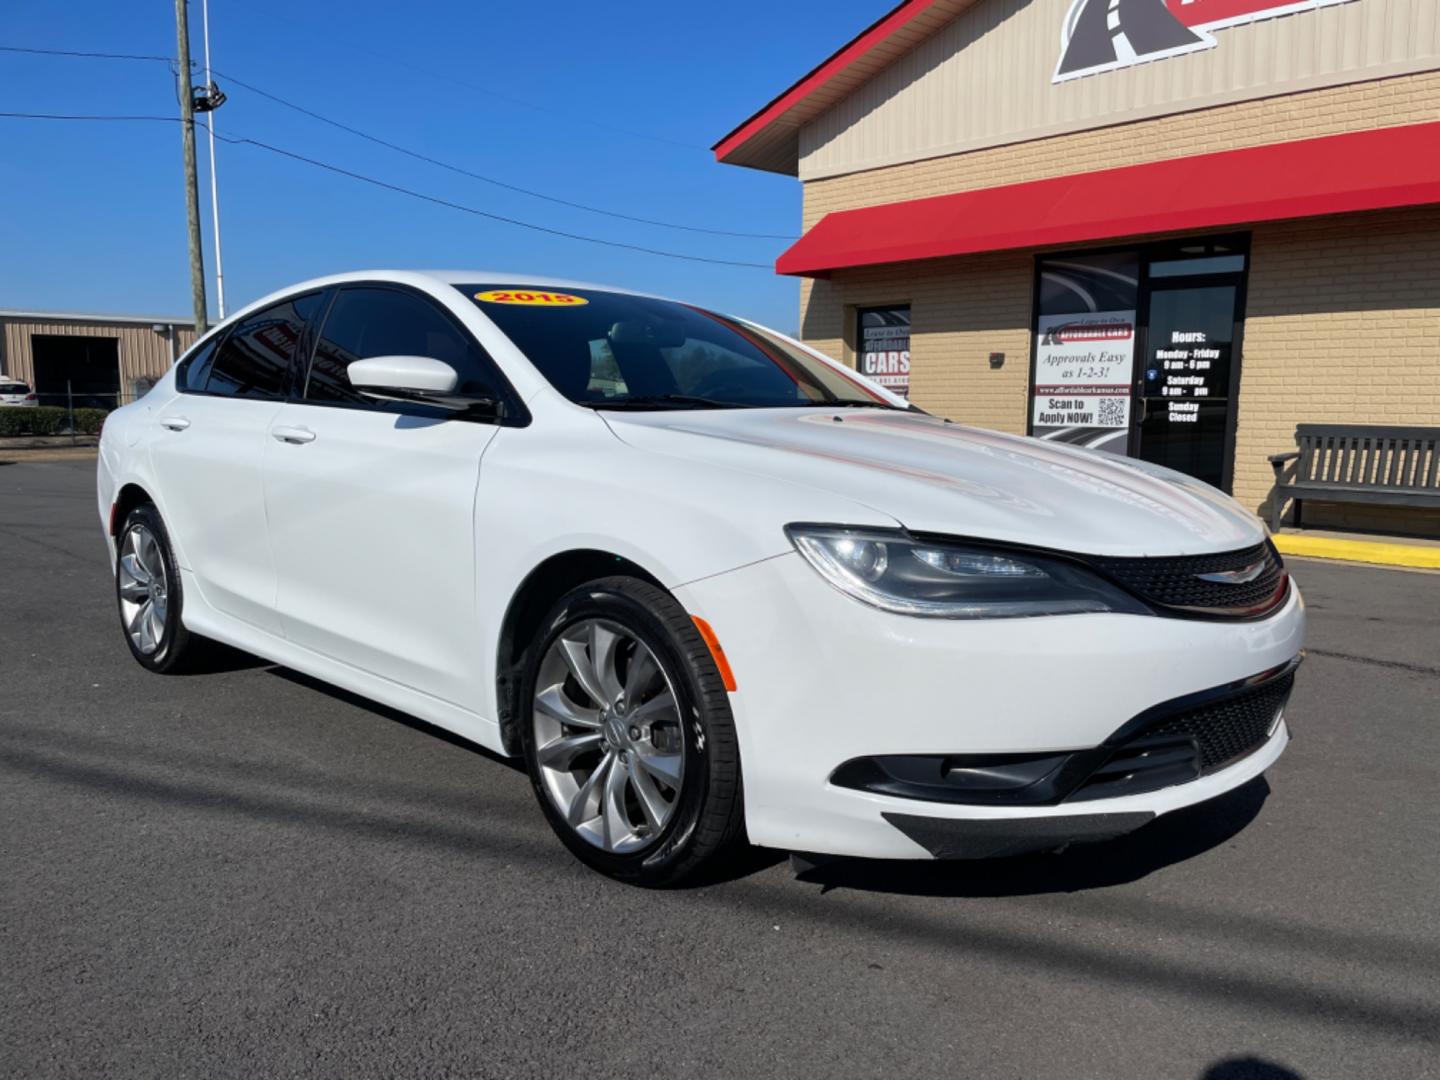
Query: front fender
[580,488]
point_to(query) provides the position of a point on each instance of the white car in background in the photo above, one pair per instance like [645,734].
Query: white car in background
[709,583]
[15,393]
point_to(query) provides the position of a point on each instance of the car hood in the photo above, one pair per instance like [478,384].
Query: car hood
[931,475]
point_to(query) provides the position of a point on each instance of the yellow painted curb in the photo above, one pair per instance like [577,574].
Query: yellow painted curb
[1366,551]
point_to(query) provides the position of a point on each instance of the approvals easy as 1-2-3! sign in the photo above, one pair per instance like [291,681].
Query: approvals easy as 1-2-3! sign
[1101,35]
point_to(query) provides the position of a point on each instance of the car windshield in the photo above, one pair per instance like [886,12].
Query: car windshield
[14,388]
[610,350]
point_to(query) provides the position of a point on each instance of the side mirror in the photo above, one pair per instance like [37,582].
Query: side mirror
[408,375]
[417,379]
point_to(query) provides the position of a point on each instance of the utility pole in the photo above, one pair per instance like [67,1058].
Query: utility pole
[192,186]
[214,183]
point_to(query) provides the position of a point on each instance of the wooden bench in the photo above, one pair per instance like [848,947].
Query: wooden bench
[1359,463]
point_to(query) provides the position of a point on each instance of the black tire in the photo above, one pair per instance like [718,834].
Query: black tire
[179,650]
[708,819]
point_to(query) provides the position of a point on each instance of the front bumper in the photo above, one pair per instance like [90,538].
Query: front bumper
[823,680]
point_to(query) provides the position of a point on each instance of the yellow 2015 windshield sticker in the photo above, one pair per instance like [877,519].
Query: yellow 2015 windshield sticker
[530,298]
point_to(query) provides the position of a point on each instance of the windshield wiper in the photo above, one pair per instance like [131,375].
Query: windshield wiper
[663,401]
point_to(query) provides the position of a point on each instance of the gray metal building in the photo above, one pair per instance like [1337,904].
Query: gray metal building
[100,360]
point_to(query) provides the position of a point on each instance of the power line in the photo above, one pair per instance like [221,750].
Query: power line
[86,55]
[420,195]
[83,116]
[490,179]
[485,213]
[417,155]
[395,60]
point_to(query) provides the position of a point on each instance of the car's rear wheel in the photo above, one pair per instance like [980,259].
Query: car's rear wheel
[628,734]
[148,593]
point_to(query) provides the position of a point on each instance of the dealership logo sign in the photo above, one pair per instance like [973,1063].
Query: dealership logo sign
[1102,35]
[1087,330]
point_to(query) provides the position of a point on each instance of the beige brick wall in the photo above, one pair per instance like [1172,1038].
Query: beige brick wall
[961,311]
[1342,326]
[1410,99]
[1343,320]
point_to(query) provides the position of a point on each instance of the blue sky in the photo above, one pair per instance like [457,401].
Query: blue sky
[612,105]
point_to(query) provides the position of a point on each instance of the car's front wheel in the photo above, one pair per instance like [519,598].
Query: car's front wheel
[628,735]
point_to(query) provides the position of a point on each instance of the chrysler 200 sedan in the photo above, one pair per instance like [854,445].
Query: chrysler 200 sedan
[710,584]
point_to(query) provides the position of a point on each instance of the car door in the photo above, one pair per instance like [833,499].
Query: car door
[207,456]
[371,505]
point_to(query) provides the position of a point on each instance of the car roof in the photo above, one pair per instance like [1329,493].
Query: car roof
[432,277]
[460,277]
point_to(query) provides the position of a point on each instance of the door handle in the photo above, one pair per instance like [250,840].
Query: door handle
[174,423]
[295,436]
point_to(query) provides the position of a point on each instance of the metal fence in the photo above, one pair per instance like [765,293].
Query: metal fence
[74,400]
[85,400]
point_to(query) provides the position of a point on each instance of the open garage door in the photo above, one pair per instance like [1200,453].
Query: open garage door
[86,367]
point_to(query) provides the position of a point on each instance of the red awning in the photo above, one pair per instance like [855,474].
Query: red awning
[1369,170]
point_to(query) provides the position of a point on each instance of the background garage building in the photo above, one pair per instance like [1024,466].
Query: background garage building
[105,359]
[1169,228]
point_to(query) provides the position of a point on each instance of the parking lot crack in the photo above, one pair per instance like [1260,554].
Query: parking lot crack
[1400,665]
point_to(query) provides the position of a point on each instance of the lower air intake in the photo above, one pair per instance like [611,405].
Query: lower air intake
[1177,747]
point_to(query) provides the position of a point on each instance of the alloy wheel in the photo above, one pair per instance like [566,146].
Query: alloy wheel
[608,736]
[144,589]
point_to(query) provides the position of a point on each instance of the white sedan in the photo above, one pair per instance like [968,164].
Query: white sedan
[15,393]
[710,584]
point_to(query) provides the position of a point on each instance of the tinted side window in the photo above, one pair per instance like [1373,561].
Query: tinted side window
[254,360]
[368,322]
[195,368]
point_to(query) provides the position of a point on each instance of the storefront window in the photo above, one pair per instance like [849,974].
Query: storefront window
[1085,349]
[1137,352]
[883,347]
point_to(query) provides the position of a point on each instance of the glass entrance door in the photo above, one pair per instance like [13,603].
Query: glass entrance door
[1189,375]
[1137,351]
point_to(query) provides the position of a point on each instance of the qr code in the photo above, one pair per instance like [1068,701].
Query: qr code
[1111,412]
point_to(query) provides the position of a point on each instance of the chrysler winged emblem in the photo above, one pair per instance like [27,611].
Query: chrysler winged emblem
[1242,576]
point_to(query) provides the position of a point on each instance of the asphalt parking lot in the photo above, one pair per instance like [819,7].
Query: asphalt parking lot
[246,874]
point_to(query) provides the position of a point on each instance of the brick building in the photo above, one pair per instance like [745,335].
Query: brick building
[1168,228]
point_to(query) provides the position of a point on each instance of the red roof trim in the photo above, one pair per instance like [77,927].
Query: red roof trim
[1368,170]
[877,34]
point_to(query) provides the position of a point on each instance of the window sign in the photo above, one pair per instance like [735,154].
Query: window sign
[884,348]
[1085,350]
[1187,378]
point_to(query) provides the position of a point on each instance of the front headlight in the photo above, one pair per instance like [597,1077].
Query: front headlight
[894,571]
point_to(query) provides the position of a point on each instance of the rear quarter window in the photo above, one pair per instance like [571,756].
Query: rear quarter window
[191,372]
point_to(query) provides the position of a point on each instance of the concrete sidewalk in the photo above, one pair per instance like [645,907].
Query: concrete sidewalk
[59,452]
